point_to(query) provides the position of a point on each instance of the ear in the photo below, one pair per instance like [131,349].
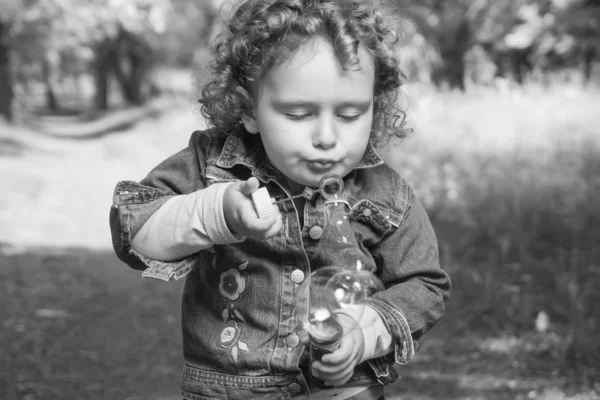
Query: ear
[249,121]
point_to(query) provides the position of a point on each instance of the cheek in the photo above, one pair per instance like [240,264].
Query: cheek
[362,133]
[281,136]
[278,140]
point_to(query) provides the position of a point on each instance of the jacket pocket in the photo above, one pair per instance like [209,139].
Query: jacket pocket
[379,219]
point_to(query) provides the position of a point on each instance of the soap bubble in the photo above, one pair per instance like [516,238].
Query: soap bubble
[331,186]
[327,292]
[346,288]
[332,289]
[370,284]
[317,314]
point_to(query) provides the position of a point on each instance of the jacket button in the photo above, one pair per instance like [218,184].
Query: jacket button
[292,340]
[367,212]
[316,232]
[297,276]
[295,387]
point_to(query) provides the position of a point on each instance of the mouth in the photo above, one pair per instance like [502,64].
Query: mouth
[321,164]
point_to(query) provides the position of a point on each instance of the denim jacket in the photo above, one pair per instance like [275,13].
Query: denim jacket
[240,331]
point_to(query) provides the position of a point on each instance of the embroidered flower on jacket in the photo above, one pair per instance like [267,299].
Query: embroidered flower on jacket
[229,335]
[232,284]
[229,339]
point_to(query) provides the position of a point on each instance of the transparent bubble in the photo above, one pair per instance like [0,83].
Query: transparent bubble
[331,290]
[318,314]
[347,289]
[370,284]
[330,305]
[331,186]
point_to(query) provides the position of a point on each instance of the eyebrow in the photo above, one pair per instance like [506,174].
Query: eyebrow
[359,103]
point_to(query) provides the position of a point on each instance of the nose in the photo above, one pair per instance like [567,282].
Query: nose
[325,134]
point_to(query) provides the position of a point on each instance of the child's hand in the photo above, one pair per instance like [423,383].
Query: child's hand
[337,368]
[241,216]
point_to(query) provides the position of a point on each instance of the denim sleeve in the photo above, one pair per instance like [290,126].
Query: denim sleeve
[416,288]
[134,203]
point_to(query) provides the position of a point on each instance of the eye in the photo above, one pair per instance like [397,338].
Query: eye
[297,117]
[349,118]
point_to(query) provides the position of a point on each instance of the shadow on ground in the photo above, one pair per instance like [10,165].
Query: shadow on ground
[80,324]
[10,147]
[95,125]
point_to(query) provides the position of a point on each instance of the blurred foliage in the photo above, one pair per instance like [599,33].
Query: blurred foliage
[510,186]
[449,43]
[46,41]
[483,39]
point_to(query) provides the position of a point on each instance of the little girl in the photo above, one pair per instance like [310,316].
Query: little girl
[300,89]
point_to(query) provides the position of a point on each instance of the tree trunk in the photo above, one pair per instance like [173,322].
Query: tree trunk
[102,68]
[520,63]
[6,80]
[129,57]
[136,79]
[589,56]
[48,76]
[453,47]
[134,57]
[454,69]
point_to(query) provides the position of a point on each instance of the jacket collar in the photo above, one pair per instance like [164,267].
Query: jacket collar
[246,149]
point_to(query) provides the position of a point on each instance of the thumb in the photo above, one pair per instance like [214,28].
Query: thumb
[250,186]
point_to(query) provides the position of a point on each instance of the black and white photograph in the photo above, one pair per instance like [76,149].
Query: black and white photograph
[300,199]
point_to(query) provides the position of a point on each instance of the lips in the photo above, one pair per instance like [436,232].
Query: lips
[321,164]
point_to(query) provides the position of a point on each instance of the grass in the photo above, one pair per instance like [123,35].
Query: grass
[76,325]
[511,183]
[510,179]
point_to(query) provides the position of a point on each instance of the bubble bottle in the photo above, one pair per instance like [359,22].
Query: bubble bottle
[330,288]
[338,287]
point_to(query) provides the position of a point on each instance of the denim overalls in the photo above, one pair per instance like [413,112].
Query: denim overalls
[240,332]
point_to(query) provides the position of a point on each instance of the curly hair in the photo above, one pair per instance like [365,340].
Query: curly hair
[261,34]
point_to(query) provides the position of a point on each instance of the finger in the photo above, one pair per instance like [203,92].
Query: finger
[305,339]
[259,225]
[346,352]
[327,366]
[265,227]
[339,381]
[333,375]
[339,378]
[250,186]
[333,371]
[275,228]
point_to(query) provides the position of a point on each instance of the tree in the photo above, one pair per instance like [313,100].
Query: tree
[6,90]
[119,37]
[577,24]
[518,27]
[24,26]
[451,29]
[129,57]
[519,36]
[44,33]
[189,27]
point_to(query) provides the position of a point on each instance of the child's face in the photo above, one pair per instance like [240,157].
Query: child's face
[313,117]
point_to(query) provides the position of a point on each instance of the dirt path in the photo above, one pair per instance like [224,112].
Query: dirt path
[59,186]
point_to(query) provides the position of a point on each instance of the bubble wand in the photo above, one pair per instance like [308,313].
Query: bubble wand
[330,187]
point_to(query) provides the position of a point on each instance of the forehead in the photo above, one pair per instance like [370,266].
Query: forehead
[314,71]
